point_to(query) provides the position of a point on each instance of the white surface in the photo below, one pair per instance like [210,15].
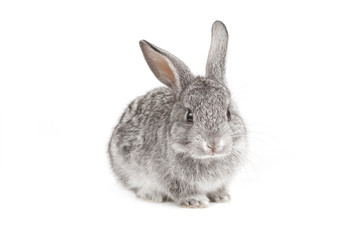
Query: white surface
[69,68]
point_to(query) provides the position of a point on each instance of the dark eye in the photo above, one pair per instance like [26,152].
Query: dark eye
[228,114]
[189,116]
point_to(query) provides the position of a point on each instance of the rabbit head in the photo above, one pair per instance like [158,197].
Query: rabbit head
[204,122]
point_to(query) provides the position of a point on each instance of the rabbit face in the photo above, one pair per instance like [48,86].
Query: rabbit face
[214,127]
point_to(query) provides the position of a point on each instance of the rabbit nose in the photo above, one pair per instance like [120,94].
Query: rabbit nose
[214,146]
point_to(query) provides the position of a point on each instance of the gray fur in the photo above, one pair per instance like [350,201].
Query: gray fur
[215,66]
[157,153]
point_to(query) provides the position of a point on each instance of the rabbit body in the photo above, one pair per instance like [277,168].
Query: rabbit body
[183,142]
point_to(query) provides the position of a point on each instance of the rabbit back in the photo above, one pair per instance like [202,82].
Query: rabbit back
[138,140]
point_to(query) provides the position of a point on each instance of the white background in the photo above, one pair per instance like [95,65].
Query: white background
[69,68]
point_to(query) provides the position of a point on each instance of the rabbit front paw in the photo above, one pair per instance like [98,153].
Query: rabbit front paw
[219,197]
[194,202]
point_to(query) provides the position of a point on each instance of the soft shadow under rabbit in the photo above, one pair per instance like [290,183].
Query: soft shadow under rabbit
[183,142]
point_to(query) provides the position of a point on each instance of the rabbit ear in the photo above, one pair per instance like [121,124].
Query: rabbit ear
[215,66]
[166,67]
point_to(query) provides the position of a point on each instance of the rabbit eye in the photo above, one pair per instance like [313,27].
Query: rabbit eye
[189,117]
[228,114]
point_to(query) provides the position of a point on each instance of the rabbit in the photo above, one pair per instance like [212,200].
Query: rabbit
[183,142]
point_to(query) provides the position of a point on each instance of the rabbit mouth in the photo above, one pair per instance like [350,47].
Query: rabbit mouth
[202,151]
[213,146]
[211,152]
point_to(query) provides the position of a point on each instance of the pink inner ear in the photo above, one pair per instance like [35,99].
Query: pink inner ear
[159,65]
[163,68]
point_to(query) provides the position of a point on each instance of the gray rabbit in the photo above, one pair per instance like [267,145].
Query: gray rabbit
[183,142]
